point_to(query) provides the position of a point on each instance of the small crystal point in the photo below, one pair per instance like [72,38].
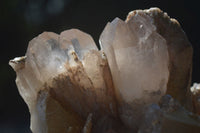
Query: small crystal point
[17,63]
[77,39]
[195,95]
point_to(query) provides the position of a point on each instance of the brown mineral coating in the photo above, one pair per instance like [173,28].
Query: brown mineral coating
[196,103]
[57,119]
[77,90]
[180,52]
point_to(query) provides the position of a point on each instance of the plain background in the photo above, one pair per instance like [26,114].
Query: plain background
[22,20]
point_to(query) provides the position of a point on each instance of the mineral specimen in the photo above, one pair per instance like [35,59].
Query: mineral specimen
[70,86]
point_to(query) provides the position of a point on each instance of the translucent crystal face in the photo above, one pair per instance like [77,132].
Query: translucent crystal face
[49,52]
[140,66]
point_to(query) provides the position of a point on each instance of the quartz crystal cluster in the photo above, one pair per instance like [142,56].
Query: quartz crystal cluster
[138,82]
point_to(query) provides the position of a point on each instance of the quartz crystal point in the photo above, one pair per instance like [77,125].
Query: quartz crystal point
[149,55]
[63,78]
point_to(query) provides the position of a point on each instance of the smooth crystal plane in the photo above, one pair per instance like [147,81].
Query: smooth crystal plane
[142,74]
